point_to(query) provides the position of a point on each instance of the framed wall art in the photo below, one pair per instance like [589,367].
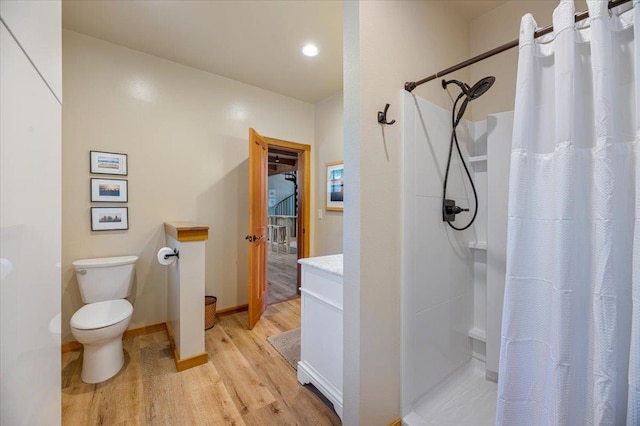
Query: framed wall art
[335,186]
[109,190]
[109,218]
[108,163]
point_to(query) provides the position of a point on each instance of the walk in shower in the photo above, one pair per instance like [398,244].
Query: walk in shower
[569,350]
[453,281]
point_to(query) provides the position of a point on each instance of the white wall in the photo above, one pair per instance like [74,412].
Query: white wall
[30,209]
[283,188]
[186,135]
[386,44]
[37,27]
[329,147]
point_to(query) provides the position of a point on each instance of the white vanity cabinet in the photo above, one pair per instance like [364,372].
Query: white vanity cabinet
[321,335]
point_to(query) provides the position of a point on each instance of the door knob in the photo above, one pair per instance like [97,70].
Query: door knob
[252,238]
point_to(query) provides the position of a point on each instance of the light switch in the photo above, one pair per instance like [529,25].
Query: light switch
[320,214]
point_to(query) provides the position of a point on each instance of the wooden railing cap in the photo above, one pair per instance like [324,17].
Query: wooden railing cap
[187,231]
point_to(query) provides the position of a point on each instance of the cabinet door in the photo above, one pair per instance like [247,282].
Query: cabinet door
[322,329]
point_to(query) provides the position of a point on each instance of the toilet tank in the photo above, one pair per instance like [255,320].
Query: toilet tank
[105,278]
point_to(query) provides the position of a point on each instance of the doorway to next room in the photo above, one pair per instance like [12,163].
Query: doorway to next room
[282,222]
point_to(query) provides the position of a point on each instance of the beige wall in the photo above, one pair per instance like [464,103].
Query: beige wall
[185,132]
[396,42]
[328,147]
[493,29]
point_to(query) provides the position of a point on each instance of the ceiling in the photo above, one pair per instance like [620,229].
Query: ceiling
[255,42]
[281,161]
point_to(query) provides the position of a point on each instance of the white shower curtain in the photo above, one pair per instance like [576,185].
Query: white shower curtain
[570,351]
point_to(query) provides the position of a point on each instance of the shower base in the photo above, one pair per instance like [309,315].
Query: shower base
[466,398]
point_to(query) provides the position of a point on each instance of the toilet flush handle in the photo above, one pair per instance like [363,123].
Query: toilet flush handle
[81,272]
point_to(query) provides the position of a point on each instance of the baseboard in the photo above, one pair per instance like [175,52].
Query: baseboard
[147,329]
[186,363]
[232,310]
[70,346]
[194,361]
[396,422]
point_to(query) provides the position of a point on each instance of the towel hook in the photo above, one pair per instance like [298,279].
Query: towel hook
[382,116]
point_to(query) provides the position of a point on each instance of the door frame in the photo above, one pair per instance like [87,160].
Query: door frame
[304,199]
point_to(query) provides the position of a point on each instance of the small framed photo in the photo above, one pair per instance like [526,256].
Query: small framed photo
[335,186]
[109,218]
[108,163]
[109,191]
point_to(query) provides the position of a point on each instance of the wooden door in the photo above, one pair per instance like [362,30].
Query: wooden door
[258,150]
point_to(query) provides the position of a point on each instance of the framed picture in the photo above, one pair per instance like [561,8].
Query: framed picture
[108,163]
[109,191]
[109,218]
[335,186]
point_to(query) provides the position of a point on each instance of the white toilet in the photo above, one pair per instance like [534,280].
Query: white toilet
[104,284]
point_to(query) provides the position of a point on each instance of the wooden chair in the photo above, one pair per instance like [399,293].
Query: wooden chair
[278,236]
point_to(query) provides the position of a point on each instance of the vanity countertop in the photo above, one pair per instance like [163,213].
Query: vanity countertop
[331,264]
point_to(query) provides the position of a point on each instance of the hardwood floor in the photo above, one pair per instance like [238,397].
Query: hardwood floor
[245,382]
[282,276]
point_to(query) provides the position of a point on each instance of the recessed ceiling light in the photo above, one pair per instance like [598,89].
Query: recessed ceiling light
[310,50]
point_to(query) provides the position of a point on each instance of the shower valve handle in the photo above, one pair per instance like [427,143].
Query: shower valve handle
[450,210]
[454,209]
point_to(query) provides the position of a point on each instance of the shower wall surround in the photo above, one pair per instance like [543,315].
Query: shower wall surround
[437,295]
[448,311]
[498,161]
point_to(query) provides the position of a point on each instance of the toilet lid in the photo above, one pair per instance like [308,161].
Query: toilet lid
[101,314]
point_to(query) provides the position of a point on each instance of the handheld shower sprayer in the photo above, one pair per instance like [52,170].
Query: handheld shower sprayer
[469,93]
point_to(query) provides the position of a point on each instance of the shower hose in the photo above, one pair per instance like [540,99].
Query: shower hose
[455,120]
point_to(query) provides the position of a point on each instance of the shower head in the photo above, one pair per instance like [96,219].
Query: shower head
[474,92]
[481,87]
[471,93]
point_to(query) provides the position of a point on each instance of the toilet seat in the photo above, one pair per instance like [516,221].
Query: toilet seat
[101,314]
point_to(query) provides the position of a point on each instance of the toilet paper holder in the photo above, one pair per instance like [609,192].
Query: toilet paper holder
[175,253]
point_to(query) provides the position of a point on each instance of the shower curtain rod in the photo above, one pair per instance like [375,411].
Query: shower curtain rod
[410,85]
